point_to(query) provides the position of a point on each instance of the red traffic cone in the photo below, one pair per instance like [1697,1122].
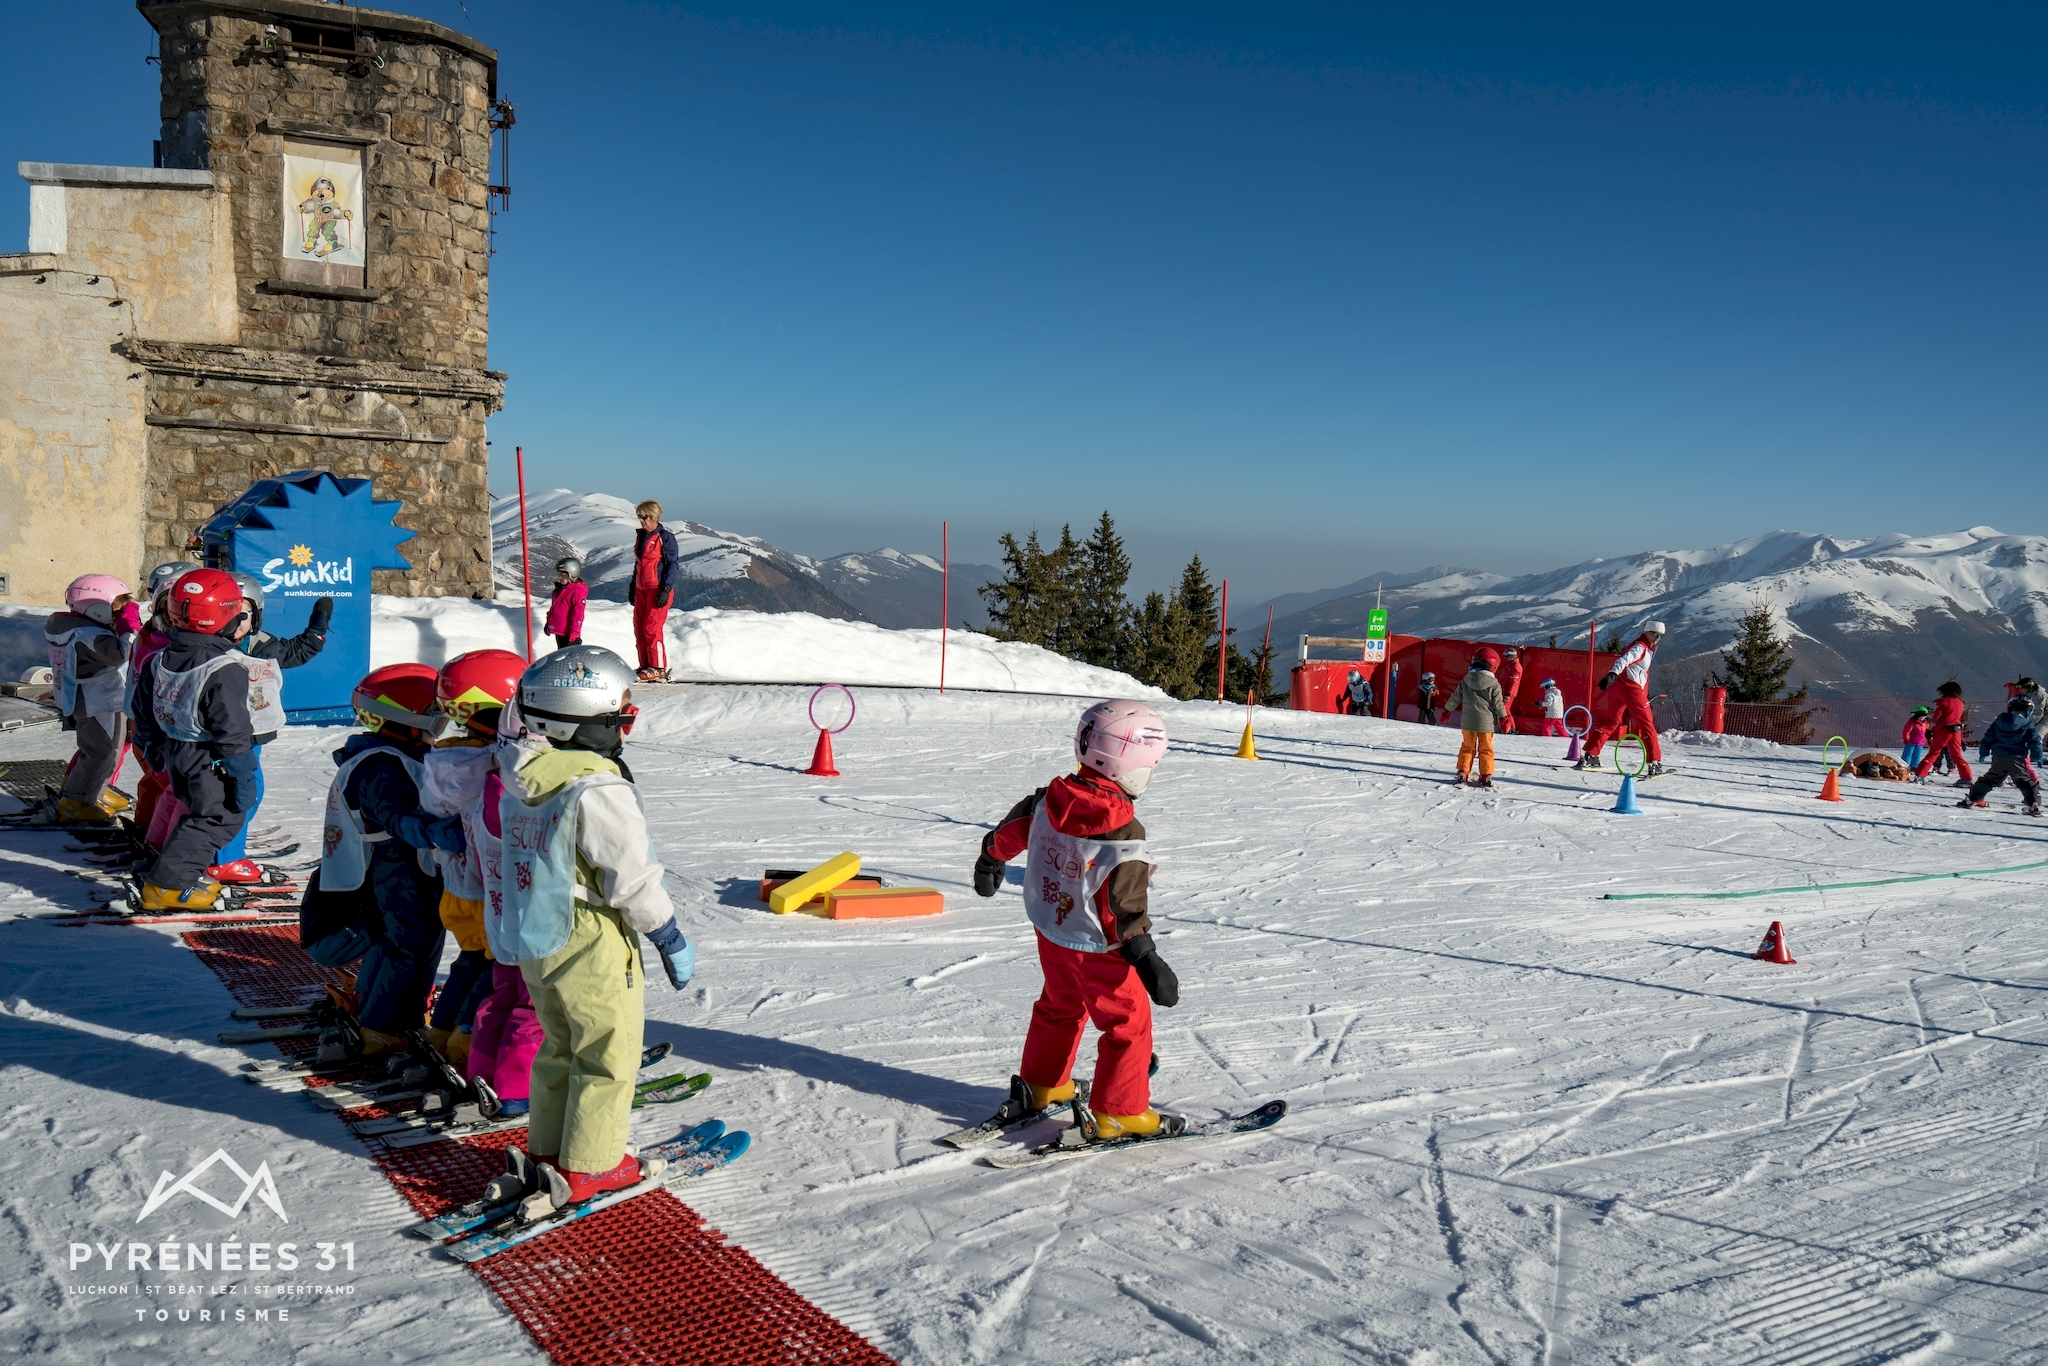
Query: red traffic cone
[1773,949]
[821,757]
[1830,791]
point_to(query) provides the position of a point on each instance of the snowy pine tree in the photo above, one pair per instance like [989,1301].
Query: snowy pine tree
[1102,617]
[1753,670]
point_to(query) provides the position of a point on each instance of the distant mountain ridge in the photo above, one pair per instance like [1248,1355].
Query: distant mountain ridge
[1891,614]
[721,569]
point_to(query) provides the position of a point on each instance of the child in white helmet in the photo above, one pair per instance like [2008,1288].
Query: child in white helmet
[1553,708]
[1086,888]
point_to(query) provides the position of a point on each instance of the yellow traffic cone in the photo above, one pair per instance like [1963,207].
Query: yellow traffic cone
[1244,746]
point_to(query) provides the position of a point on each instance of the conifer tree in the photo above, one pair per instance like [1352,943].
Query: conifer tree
[1032,601]
[1754,668]
[1102,617]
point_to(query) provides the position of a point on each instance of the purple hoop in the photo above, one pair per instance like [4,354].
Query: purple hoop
[1581,731]
[851,708]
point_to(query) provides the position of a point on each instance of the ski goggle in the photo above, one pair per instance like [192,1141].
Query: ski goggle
[469,704]
[374,721]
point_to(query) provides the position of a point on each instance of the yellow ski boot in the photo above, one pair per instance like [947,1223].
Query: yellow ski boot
[1127,1126]
[71,811]
[201,898]
[437,1039]
[1042,1096]
[457,1051]
[113,802]
[376,1041]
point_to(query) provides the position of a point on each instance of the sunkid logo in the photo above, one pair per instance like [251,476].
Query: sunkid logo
[276,575]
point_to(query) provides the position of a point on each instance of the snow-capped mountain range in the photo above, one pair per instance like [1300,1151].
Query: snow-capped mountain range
[886,587]
[1892,614]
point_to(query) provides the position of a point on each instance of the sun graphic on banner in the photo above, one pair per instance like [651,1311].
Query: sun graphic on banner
[302,555]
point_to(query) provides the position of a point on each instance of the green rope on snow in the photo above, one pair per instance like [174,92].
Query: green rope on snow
[1821,887]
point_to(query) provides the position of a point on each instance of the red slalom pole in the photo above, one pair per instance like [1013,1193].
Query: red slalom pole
[1222,638]
[525,555]
[945,585]
[1592,636]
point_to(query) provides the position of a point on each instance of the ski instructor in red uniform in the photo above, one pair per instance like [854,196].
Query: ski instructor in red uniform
[656,563]
[1625,703]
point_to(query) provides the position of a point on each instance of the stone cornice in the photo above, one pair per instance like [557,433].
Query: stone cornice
[325,372]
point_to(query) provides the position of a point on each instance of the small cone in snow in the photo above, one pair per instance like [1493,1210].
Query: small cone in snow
[1244,746]
[1773,949]
[1573,753]
[821,757]
[1627,805]
[1830,791]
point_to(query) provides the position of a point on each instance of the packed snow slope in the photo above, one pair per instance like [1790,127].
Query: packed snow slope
[1893,614]
[704,646]
[1527,1124]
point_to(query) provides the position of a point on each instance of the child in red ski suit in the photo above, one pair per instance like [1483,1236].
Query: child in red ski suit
[1086,889]
[1625,702]
[1945,730]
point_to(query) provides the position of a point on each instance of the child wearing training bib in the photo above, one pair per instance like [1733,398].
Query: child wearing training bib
[578,885]
[1087,883]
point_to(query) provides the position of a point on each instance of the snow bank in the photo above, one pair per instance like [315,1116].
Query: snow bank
[713,646]
[1732,744]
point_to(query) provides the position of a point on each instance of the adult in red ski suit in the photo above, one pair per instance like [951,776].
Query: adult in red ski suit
[656,565]
[1624,701]
[1509,676]
[1945,734]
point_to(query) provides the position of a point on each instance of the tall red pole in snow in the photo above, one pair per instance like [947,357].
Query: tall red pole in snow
[1222,638]
[1592,636]
[525,556]
[945,585]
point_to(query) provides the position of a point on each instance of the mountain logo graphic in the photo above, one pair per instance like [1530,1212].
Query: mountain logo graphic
[257,1184]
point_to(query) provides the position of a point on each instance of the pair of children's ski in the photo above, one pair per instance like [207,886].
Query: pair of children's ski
[1081,1138]
[479,1229]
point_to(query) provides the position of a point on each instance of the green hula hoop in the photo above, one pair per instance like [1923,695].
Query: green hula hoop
[1645,763]
[1834,740]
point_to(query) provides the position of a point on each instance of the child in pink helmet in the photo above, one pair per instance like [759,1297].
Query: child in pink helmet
[1086,888]
[89,654]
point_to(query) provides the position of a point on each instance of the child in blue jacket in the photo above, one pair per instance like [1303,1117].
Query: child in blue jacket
[2008,743]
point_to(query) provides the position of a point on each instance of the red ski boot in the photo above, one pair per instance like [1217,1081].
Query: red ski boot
[573,1188]
[241,873]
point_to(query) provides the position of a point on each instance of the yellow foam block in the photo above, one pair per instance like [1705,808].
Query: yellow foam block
[833,872]
[883,903]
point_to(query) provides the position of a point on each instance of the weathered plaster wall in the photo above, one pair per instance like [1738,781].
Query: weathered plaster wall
[137,249]
[72,443]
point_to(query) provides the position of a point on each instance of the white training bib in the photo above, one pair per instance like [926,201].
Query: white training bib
[344,848]
[1062,874]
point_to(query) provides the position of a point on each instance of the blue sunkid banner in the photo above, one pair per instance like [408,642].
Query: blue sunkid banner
[306,536]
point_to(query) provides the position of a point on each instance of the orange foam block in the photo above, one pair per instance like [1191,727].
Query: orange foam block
[883,903]
[775,877]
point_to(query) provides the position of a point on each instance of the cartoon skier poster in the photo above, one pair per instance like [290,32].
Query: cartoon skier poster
[323,212]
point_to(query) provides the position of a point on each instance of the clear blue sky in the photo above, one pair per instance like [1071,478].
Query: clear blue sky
[1314,295]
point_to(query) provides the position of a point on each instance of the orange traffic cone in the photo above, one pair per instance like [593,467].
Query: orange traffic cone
[1773,949]
[821,757]
[1830,791]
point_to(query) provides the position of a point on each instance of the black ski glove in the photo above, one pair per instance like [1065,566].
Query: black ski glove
[1605,681]
[988,869]
[1160,983]
[323,613]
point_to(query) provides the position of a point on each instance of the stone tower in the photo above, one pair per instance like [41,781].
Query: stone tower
[396,339]
[305,280]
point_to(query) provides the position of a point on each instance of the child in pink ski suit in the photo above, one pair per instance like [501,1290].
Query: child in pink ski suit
[506,1035]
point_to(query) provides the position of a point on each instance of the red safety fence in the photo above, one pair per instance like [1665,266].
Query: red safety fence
[644,1282]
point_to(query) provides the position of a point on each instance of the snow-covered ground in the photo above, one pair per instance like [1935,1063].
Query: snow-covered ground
[1527,1125]
[706,645]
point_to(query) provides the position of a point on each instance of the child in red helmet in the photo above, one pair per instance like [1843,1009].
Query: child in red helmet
[377,835]
[199,706]
[1086,889]
[471,692]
